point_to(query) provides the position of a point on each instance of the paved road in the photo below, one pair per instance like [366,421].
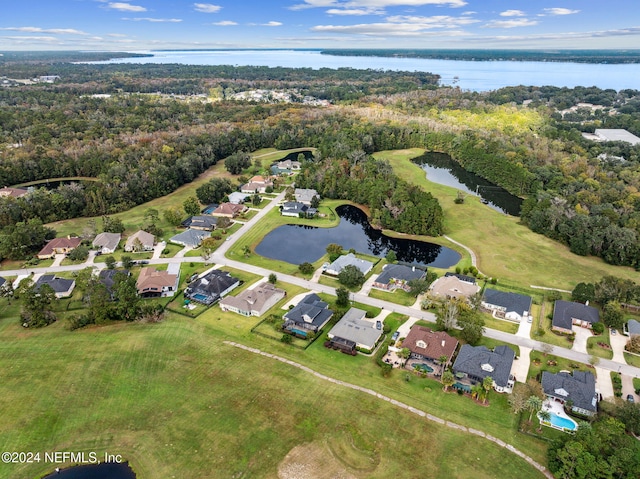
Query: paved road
[218,258]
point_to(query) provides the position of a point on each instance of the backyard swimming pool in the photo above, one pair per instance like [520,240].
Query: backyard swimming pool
[560,422]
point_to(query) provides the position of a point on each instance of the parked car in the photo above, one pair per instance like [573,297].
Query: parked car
[378,325]
[614,332]
[143,261]
[395,335]
[630,398]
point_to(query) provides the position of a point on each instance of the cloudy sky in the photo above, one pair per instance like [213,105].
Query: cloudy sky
[182,24]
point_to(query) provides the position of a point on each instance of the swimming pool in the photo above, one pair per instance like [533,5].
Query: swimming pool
[560,422]
[425,367]
[200,297]
[299,332]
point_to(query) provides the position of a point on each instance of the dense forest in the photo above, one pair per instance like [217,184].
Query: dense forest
[141,146]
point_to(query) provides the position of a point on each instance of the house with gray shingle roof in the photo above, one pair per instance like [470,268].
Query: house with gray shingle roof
[579,388]
[567,313]
[310,315]
[139,241]
[305,195]
[633,327]
[253,302]
[296,209]
[211,287]
[477,362]
[396,276]
[106,243]
[348,259]
[512,306]
[201,222]
[190,238]
[61,287]
[353,327]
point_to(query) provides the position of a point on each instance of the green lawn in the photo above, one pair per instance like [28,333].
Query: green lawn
[596,350]
[171,249]
[8,264]
[540,362]
[500,324]
[541,322]
[503,246]
[632,359]
[120,253]
[636,383]
[399,296]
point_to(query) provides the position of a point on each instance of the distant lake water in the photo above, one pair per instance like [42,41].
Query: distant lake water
[468,75]
[105,470]
[297,244]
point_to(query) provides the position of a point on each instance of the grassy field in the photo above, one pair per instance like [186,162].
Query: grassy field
[504,247]
[596,350]
[173,390]
[399,296]
[540,362]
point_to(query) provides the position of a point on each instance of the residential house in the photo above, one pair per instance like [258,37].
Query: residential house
[348,259]
[106,243]
[3,282]
[253,302]
[633,327]
[158,284]
[211,287]
[59,246]
[305,195]
[12,192]
[257,184]
[567,313]
[579,388]
[201,222]
[297,209]
[237,197]
[454,286]
[139,241]
[511,306]
[190,238]
[63,288]
[354,331]
[426,344]
[310,315]
[285,167]
[477,362]
[397,276]
[229,210]
[108,278]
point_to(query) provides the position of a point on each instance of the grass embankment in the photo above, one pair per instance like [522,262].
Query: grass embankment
[504,247]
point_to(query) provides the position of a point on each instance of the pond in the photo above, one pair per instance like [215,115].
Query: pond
[308,155]
[441,169]
[297,244]
[105,470]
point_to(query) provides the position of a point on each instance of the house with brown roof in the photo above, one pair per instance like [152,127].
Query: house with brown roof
[139,241]
[59,246]
[158,284]
[257,184]
[12,192]
[453,287]
[430,345]
[229,210]
[253,302]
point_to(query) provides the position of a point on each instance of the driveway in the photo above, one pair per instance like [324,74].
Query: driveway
[158,249]
[580,344]
[524,330]
[618,342]
[57,260]
[603,383]
[405,327]
[627,388]
[520,367]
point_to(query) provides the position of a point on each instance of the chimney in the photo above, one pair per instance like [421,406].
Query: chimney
[443,341]
[413,268]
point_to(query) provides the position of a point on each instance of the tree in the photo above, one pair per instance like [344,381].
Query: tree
[237,162]
[214,190]
[315,201]
[597,328]
[447,314]
[112,225]
[612,315]
[223,223]
[306,268]
[36,305]
[110,262]
[80,253]
[273,279]
[471,324]
[127,301]
[342,296]
[256,199]
[545,416]
[207,247]
[351,276]
[246,251]
[534,404]
[286,338]
[127,261]
[443,360]
[334,249]
[633,345]
[391,256]
[583,292]
[487,384]
[476,391]
[447,380]
[98,301]
[173,216]
[191,206]
[21,240]
[417,286]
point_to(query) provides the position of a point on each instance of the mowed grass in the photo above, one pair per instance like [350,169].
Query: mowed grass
[504,247]
[175,401]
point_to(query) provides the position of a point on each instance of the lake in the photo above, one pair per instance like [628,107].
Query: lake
[441,169]
[297,244]
[468,75]
[106,470]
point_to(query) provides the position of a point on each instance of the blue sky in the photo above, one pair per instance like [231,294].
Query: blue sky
[182,24]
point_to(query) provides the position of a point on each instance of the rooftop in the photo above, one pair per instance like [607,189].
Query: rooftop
[353,327]
[480,362]
[564,312]
[350,259]
[430,344]
[579,388]
[191,238]
[617,134]
[399,272]
[253,299]
[510,301]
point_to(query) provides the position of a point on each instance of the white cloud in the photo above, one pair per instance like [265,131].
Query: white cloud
[60,31]
[438,21]
[271,24]
[116,35]
[354,11]
[378,4]
[560,11]
[206,7]
[153,20]
[387,29]
[125,7]
[512,13]
[521,22]
[224,23]
[30,38]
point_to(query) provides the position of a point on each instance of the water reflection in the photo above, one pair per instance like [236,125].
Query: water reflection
[106,470]
[302,243]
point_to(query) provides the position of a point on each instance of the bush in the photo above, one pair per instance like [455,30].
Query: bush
[598,328]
